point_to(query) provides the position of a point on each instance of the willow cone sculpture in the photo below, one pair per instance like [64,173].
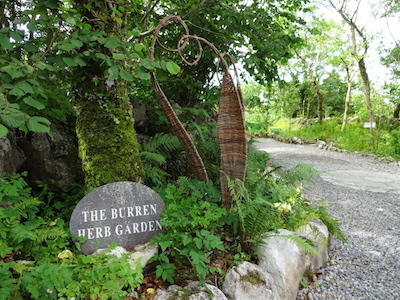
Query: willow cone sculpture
[231,127]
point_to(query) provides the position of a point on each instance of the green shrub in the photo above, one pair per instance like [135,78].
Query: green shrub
[70,277]
[22,232]
[191,220]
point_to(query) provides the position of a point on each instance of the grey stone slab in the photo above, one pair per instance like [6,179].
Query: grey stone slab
[124,212]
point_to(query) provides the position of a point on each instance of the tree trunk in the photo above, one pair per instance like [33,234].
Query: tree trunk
[348,96]
[367,89]
[397,111]
[107,139]
[359,57]
[320,96]
[347,105]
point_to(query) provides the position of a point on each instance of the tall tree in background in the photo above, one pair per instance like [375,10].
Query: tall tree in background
[359,48]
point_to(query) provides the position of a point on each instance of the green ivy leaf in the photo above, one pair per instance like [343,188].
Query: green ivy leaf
[172,67]
[38,124]
[34,103]
[3,130]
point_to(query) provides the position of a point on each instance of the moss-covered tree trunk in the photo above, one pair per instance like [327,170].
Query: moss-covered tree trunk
[107,139]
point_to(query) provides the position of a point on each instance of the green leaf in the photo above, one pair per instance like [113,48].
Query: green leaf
[69,62]
[18,35]
[147,63]
[126,75]
[38,124]
[12,71]
[66,46]
[172,67]
[3,130]
[80,61]
[119,56]
[34,103]
[119,20]
[32,25]
[13,120]
[198,242]
[112,42]
[31,47]
[25,86]
[142,73]
[113,73]
[76,43]
[5,42]
[16,91]
[161,74]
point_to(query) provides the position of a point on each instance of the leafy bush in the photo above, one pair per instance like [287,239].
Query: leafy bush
[22,232]
[191,220]
[70,277]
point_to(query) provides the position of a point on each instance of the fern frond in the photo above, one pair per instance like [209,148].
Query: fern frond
[25,203]
[303,244]
[49,233]
[316,235]
[152,157]
[161,143]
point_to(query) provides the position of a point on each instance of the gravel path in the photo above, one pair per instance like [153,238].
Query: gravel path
[364,194]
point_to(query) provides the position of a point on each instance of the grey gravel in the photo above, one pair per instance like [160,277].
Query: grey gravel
[368,265]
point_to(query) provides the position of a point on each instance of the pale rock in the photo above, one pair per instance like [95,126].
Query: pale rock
[248,281]
[284,262]
[193,291]
[296,140]
[141,253]
[317,232]
[320,144]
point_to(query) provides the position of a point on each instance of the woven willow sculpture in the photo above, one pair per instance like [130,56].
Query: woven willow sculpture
[231,128]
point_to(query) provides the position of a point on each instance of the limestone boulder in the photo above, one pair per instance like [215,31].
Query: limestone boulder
[317,232]
[284,262]
[193,291]
[52,159]
[248,281]
[11,157]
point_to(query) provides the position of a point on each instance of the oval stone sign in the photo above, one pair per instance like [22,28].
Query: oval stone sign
[124,212]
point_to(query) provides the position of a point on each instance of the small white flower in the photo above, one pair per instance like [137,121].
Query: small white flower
[49,291]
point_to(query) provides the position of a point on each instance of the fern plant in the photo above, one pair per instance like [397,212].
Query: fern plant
[154,154]
[265,203]
[20,227]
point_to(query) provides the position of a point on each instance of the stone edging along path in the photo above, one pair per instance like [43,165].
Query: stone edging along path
[323,145]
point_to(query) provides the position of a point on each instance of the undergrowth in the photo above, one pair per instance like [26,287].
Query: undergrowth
[382,141]
[200,241]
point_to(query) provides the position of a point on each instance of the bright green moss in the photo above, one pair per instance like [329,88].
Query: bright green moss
[108,145]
